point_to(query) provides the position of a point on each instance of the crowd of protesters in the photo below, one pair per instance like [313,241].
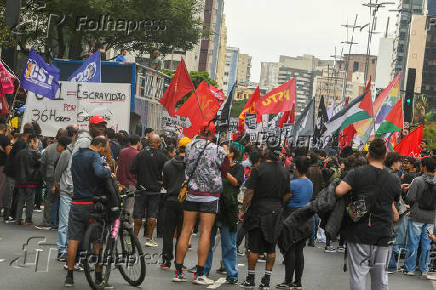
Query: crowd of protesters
[378,205]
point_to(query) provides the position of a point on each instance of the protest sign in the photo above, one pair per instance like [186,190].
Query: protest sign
[75,103]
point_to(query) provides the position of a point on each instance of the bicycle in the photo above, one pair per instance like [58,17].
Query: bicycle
[110,242]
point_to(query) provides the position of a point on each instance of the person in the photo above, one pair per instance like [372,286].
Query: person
[5,148]
[206,165]
[266,191]
[121,57]
[421,218]
[255,159]
[301,194]
[147,167]
[114,145]
[424,147]
[227,219]
[50,157]
[411,167]
[157,60]
[145,141]
[124,176]
[27,178]
[63,181]
[88,173]
[393,165]
[173,177]
[9,198]
[374,192]
[314,173]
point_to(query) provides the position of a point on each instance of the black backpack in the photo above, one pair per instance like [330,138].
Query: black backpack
[427,199]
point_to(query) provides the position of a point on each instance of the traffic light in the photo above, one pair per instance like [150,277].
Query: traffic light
[408,99]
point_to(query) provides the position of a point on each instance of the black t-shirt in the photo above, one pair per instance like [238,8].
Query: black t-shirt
[270,182]
[148,166]
[4,142]
[379,189]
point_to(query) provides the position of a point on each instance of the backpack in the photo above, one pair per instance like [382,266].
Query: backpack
[427,199]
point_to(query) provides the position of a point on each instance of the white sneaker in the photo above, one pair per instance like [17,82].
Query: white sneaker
[151,243]
[202,280]
[409,273]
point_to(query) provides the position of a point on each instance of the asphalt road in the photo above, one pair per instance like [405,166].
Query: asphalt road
[322,271]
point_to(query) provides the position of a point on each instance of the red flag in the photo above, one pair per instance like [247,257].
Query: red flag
[366,103]
[191,108]
[284,119]
[411,143]
[180,85]
[219,94]
[280,99]
[4,107]
[347,136]
[250,108]
[6,81]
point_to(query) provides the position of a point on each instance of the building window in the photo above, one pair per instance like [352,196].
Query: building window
[355,66]
[373,61]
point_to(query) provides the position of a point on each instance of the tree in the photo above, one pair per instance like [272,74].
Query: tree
[139,25]
[196,76]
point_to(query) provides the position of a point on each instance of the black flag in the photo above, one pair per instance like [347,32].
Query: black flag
[321,119]
[222,118]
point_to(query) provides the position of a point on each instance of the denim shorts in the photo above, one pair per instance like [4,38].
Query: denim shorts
[204,207]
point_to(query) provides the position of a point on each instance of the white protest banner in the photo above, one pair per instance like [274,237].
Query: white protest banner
[75,103]
[109,100]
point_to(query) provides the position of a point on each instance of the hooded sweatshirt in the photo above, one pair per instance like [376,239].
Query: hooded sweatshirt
[83,141]
[173,177]
[417,187]
[49,158]
[62,174]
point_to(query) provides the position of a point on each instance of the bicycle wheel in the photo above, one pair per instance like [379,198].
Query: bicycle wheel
[98,255]
[130,257]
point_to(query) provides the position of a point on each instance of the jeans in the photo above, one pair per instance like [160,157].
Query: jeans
[64,212]
[400,234]
[54,210]
[228,249]
[25,195]
[48,204]
[417,232]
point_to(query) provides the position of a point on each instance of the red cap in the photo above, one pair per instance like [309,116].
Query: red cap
[208,128]
[97,120]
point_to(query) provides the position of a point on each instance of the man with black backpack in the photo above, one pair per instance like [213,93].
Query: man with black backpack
[422,199]
[370,192]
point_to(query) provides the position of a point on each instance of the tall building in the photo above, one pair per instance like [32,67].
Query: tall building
[330,84]
[357,63]
[222,56]
[406,8]
[231,69]
[269,73]
[304,69]
[244,69]
[210,46]
[384,62]
[417,48]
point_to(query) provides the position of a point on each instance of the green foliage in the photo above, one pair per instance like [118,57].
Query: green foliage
[196,76]
[237,108]
[164,24]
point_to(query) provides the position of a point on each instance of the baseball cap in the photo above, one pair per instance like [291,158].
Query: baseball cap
[97,120]
[184,141]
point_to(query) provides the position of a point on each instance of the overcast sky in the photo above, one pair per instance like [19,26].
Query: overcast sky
[266,29]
